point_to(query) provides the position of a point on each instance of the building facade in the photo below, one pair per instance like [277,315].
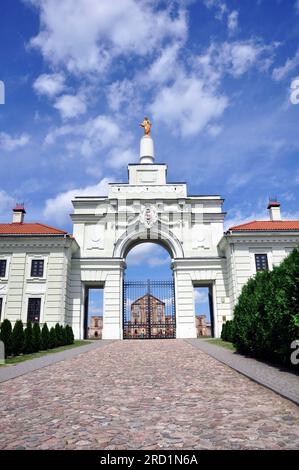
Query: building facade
[203,328]
[96,327]
[45,273]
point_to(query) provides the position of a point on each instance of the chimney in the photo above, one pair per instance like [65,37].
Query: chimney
[274,209]
[18,214]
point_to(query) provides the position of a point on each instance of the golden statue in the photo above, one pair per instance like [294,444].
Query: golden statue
[146,124]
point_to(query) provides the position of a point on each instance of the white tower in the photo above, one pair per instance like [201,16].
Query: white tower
[147,149]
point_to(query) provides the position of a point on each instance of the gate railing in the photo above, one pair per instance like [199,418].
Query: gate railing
[149,310]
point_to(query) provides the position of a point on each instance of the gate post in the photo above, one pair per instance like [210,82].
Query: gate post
[184,302]
[113,304]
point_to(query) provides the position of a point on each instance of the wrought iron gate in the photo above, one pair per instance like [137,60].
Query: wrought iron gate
[149,310]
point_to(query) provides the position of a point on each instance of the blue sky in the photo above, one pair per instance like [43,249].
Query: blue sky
[214,76]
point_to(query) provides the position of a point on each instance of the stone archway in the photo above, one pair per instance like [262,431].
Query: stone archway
[147,208]
[160,235]
[148,294]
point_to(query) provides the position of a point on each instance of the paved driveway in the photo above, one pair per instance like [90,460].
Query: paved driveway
[143,395]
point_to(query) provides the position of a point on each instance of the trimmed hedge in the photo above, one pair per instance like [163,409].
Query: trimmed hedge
[45,337]
[6,336]
[33,339]
[227,333]
[266,317]
[18,338]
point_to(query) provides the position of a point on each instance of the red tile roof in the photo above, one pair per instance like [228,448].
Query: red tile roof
[29,229]
[267,226]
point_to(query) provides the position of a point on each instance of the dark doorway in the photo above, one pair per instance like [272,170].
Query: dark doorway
[93,312]
[204,312]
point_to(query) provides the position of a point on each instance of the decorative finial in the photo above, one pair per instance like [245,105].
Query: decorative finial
[146,124]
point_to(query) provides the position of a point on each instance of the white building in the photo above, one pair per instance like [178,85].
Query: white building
[45,273]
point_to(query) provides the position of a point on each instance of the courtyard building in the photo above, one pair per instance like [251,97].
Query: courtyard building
[45,272]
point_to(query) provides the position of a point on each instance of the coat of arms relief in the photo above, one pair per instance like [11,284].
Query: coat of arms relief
[148,216]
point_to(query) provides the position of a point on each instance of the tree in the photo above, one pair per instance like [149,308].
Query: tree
[63,335]
[266,317]
[36,337]
[71,334]
[18,338]
[28,348]
[6,336]
[52,338]
[45,337]
[59,336]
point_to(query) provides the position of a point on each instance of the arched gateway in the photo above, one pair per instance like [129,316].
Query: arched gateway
[148,208]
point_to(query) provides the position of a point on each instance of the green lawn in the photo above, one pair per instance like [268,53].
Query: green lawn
[26,357]
[223,344]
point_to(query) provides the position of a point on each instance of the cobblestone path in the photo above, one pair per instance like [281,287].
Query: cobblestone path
[143,395]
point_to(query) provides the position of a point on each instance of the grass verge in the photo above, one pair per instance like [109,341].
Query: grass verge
[223,344]
[27,357]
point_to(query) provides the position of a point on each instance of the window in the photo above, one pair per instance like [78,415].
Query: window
[1,303]
[34,305]
[261,262]
[3,263]
[37,268]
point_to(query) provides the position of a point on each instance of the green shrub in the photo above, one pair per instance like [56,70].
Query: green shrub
[228,331]
[36,337]
[63,335]
[52,338]
[18,338]
[266,317]
[59,335]
[69,334]
[45,337]
[28,347]
[223,332]
[6,336]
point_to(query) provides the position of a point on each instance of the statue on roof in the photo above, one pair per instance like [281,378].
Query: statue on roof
[146,124]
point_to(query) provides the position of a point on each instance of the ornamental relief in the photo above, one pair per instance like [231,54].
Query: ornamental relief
[142,189]
[148,216]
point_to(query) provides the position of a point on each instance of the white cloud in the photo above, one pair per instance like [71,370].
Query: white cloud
[49,84]
[234,58]
[200,296]
[232,21]
[86,35]
[71,106]
[89,137]
[214,130]
[164,67]
[57,209]
[279,73]
[148,254]
[158,261]
[119,93]
[223,13]
[238,216]
[188,105]
[6,205]
[119,157]
[9,143]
